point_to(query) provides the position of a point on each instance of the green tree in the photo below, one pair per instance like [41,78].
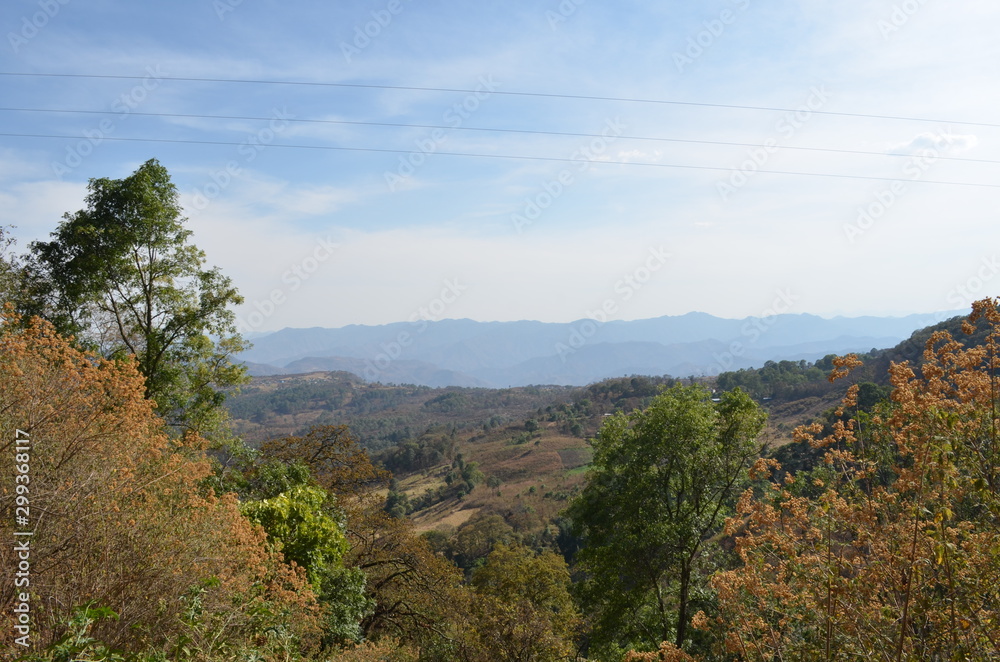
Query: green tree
[475,539]
[122,276]
[301,521]
[307,530]
[662,483]
[9,284]
[521,609]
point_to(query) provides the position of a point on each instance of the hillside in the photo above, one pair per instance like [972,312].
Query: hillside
[380,415]
[529,443]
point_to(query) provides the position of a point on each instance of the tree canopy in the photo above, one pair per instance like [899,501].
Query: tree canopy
[661,485]
[123,277]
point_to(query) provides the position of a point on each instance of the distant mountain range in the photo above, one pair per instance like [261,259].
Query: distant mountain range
[500,354]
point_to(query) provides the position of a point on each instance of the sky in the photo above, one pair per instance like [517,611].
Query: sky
[368,162]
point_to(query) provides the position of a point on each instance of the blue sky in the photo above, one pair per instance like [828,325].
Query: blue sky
[330,237]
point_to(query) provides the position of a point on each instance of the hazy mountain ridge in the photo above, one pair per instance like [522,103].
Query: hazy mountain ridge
[469,353]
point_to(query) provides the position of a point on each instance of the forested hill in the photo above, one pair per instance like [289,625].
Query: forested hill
[786,381]
[380,415]
[384,416]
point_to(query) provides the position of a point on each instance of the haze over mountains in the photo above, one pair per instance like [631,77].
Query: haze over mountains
[499,354]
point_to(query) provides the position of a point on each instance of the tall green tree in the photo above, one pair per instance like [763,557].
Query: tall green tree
[662,483]
[123,277]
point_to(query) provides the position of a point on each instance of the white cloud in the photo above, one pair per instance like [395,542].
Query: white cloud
[943,142]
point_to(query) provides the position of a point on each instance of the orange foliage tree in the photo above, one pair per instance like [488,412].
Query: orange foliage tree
[118,514]
[889,550]
[334,457]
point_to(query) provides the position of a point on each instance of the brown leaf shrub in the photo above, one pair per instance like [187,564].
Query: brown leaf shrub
[897,556]
[118,514]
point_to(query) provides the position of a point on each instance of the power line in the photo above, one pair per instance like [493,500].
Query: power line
[501,156]
[495,130]
[548,95]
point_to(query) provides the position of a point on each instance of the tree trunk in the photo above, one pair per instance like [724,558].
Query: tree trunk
[682,606]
